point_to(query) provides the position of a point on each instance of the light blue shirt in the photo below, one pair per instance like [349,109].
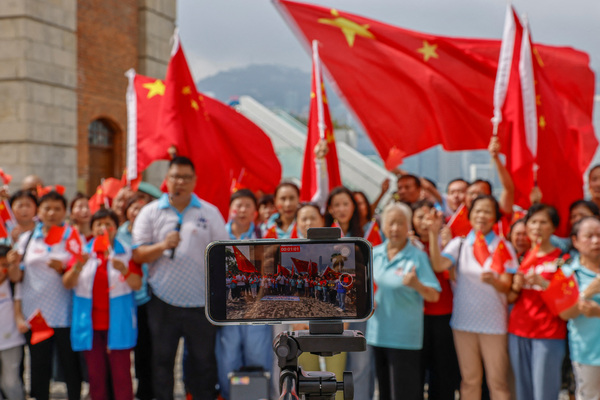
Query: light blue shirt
[179,281]
[584,332]
[398,319]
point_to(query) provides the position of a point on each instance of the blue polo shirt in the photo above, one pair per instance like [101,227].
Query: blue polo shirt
[398,319]
[584,332]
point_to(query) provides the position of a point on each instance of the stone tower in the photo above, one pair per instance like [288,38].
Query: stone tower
[62,83]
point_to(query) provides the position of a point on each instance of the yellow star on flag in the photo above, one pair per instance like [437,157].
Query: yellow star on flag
[195,105]
[542,122]
[186,90]
[349,28]
[1,206]
[155,88]
[329,136]
[428,51]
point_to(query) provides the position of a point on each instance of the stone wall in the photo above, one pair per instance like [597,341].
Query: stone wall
[38,100]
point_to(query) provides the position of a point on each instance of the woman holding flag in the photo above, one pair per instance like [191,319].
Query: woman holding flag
[479,313]
[104,323]
[536,340]
[39,263]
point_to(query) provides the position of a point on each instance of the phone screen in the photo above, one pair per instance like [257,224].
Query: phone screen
[297,280]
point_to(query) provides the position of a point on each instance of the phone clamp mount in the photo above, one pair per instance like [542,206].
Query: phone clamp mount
[324,338]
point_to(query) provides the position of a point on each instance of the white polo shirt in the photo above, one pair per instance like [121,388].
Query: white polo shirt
[179,281]
[9,334]
[42,286]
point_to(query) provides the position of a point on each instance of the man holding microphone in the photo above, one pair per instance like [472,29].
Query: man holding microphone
[171,234]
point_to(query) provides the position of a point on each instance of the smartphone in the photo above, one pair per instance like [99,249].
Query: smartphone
[289,281]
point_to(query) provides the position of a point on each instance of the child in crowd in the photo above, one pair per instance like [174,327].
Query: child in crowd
[11,340]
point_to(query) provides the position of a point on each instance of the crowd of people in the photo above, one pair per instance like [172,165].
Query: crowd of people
[250,286]
[445,320]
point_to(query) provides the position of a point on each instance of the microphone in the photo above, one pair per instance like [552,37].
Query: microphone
[177,229]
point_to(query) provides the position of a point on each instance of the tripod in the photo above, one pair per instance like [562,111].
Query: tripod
[324,339]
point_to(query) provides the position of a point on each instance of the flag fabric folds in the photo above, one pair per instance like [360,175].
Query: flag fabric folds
[373,234]
[55,234]
[562,293]
[545,112]
[413,90]
[242,262]
[73,244]
[40,330]
[101,243]
[503,260]
[6,215]
[283,270]
[173,116]
[530,259]
[480,248]
[271,233]
[459,223]
[320,127]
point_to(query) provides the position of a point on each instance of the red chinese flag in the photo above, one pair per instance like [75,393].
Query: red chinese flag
[283,271]
[294,234]
[271,233]
[73,244]
[55,235]
[502,259]
[6,215]
[548,109]
[6,178]
[3,231]
[530,259]
[133,183]
[373,234]
[319,127]
[480,248]
[336,225]
[97,200]
[301,266]
[40,330]
[243,263]
[313,269]
[254,167]
[330,273]
[562,293]
[459,223]
[444,87]
[173,114]
[111,187]
[101,242]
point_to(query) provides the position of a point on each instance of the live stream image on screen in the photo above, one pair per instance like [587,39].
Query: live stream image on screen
[290,281]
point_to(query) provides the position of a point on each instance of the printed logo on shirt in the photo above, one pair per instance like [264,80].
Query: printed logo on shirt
[201,222]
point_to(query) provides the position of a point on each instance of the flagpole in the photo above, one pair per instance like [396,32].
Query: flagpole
[504,66]
[318,89]
[131,100]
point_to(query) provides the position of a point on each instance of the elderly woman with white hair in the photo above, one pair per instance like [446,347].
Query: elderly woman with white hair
[404,279]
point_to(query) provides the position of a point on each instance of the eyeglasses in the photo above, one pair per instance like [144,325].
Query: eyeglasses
[182,178]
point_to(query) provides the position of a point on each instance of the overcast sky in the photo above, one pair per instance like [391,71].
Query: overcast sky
[222,34]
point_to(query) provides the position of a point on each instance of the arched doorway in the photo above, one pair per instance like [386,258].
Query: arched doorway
[103,157]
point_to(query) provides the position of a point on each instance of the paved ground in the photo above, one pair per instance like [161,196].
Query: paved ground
[280,307]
